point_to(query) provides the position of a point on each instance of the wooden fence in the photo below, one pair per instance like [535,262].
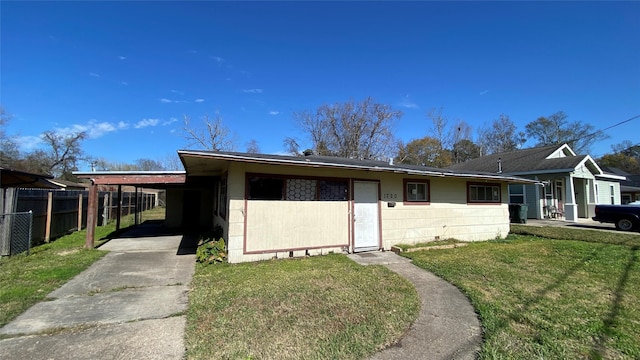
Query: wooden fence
[60,212]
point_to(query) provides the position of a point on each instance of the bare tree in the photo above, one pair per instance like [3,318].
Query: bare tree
[149,165]
[555,129]
[463,147]
[8,147]
[500,136]
[213,135]
[102,164]
[456,144]
[172,162]
[352,130]
[291,146]
[253,147]
[439,127]
[65,152]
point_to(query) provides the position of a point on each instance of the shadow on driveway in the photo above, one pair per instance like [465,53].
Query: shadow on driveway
[152,235]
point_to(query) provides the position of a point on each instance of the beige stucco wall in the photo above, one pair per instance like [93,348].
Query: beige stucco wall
[447,216]
[296,224]
[283,228]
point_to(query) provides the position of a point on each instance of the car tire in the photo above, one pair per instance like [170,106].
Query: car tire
[625,225]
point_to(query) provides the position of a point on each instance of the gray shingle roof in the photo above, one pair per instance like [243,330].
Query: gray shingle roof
[356,164]
[522,161]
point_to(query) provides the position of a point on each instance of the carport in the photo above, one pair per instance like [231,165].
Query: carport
[138,179]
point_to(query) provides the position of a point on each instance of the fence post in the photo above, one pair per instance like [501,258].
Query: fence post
[79,211]
[105,209]
[30,232]
[119,210]
[47,226]
[135,214]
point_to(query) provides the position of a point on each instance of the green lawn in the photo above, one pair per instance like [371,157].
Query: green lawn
[26,280]
[550,298]
[323,307]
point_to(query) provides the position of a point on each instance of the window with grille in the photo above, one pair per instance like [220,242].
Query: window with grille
[264,187]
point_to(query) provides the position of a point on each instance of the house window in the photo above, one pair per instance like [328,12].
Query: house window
[416,191]
[612,192]
[483,193]
[296,189]
[548,194]
[265,188]
[332,190]
[516,194]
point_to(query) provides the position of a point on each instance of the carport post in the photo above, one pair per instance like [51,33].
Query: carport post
[92,212]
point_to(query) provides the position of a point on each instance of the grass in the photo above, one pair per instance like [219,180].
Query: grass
[322,307]
[406,247]
[539,297]
[567,233]
[26,280]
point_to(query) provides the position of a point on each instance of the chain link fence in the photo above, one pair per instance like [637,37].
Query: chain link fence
[15,233]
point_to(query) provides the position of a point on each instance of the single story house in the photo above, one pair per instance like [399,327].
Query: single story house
[629,188]
[286,206]
[572,184]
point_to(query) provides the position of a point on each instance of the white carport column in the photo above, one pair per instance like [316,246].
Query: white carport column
[570,206]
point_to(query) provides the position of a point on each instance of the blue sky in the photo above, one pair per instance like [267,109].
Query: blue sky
[127,72]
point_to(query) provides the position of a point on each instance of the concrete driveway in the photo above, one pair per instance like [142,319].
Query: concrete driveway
[128,305]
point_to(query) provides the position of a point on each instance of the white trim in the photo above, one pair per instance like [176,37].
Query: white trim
[82,173]
[612,177]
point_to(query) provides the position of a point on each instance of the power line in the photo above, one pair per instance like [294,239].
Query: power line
[607,128]
[620,123]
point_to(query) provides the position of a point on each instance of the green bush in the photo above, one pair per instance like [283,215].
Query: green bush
[210,250]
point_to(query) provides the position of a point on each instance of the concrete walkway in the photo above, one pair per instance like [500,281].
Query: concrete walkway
[447,326]
[127,305]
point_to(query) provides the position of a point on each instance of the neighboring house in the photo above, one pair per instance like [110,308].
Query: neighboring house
[284,206]
[69,185]
[569,186]
[629,188]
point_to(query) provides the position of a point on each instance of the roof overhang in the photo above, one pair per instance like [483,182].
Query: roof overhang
[141,178]
[21,179]
[625,188]
[199,163]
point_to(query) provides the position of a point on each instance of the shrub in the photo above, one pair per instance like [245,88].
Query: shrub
[210,250]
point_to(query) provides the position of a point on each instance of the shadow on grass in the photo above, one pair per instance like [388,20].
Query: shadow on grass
[598,349]
[539,295]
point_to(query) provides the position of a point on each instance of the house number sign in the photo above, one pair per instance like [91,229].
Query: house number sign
[389,196]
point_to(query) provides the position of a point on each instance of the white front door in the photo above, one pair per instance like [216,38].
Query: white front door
[365,218]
